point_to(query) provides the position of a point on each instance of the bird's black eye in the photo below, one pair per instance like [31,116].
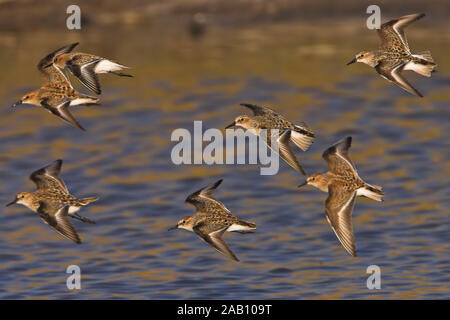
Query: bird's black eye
[26,97]
[23,196]
[312,179]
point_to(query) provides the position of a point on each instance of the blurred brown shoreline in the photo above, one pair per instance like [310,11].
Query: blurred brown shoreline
[22,15]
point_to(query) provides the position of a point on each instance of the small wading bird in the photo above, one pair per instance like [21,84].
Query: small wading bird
[57,94]
[86,66]
[53,202]
[212,219]
[343,185]
[266,118]
[394,55]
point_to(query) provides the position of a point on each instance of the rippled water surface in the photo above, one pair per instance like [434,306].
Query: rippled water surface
[399,141]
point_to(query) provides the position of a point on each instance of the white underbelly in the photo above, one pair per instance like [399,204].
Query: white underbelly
[362,192]
[106,66]
[238,227]
[73,209]
[78,101]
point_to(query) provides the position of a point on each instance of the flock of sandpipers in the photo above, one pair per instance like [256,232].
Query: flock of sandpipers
[54,203]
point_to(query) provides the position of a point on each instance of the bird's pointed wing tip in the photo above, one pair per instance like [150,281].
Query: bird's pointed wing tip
[348,141]
[287,154]
[212,187]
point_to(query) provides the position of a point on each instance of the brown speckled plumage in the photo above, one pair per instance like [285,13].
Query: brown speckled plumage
[212,219]
[84,66]
[343,185]
[394,55]
[53,202]
[274,123]
[57,93]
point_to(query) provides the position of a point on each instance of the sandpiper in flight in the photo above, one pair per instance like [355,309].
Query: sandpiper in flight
[212,219]
[53,202]
[394,55]
[266,118]
[86,66]
[57,94]
[343,185]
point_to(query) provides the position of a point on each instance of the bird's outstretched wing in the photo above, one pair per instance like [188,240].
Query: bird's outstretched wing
[86,74]
[48,177]
[258,110]
[214,239]
[285,151]
[204,201]
[60,108]
[338,159]
[51,73]
[391,70]
[302,136]
[392,33]
[338,208]
[58,219]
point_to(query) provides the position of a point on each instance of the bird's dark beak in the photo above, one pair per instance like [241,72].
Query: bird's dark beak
[303,184]
[173,228]
[12,202]
[351,62]
[230,125]
[16,103]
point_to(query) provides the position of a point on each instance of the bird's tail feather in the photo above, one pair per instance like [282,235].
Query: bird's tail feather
[242,227]
[426,55]
[86,201]
[373,192]
[247,224]
[302,139]
[424,65]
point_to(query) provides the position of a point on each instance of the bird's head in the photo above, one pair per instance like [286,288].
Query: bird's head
[366,57]
[30,98]
[25,198]
[317,180]
[184,223]
[240,121]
